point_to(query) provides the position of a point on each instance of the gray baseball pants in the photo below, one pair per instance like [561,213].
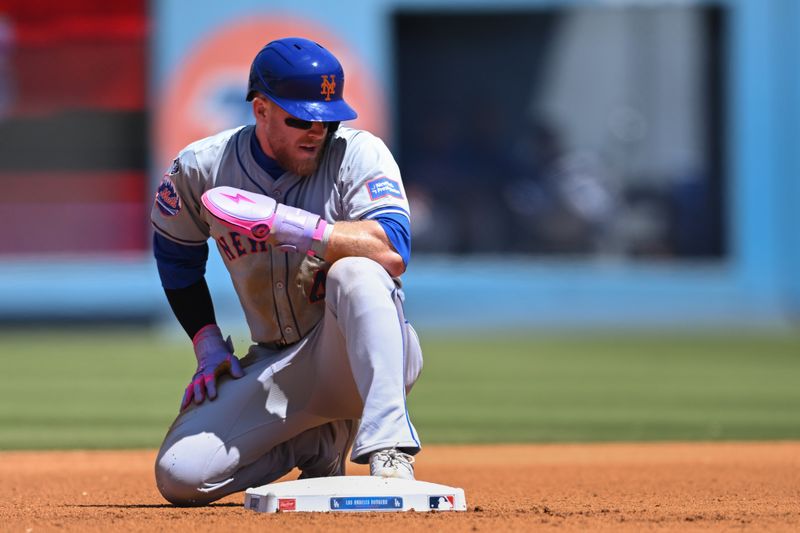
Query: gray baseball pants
[293,404]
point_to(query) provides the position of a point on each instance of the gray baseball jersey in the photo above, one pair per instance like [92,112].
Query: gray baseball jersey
[281,293]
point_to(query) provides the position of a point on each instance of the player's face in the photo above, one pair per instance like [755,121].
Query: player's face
[295,144]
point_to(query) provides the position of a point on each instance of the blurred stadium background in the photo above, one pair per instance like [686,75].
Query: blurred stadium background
[599,188]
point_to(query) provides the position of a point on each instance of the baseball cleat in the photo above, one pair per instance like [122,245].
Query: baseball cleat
[391,463]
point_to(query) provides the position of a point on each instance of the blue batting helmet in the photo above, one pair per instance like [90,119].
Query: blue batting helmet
[303,78]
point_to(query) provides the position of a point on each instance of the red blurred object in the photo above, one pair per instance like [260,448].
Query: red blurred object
[77,54]
[59,59]
[76,212]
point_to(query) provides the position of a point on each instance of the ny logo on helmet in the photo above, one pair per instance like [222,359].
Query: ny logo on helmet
[328,86]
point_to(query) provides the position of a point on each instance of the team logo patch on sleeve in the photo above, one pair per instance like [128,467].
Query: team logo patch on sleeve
[167,199]
[383,186]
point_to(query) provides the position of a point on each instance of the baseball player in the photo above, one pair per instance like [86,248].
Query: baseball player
[312,223]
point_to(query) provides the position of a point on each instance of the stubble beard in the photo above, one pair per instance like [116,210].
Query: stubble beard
[300,167]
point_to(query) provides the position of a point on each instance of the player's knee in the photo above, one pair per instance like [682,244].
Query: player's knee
[193,471]
[178,490]
[349,272]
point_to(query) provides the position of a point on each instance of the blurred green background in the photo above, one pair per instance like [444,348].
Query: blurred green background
[121,388]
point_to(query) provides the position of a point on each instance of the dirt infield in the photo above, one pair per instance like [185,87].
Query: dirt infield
[620,487]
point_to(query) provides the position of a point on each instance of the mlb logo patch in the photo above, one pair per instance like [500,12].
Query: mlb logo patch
[167,199]
[383,186]
[442,503]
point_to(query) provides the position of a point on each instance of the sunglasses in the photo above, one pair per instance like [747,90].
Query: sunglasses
[303,124]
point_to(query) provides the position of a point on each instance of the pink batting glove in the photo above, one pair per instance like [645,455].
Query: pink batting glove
[214,358]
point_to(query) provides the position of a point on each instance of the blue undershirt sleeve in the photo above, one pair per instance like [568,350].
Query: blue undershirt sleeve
[179,266]
[398,230]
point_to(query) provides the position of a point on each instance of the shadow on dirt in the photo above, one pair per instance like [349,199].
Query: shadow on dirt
[147,505]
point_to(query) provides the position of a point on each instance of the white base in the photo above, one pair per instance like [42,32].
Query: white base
[354,493]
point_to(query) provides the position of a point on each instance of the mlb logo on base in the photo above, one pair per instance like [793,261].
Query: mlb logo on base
[441,503]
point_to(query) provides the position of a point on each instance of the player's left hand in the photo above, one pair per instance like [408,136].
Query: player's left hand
[214,358]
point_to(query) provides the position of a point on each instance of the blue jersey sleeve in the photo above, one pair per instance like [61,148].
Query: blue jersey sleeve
[179,266]
[398,230]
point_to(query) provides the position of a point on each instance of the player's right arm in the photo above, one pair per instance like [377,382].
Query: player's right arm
[375,210]
[181,252]
[364,238]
